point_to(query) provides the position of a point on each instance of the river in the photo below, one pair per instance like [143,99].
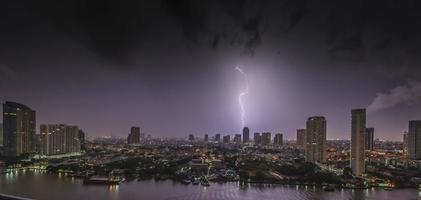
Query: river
[44,186]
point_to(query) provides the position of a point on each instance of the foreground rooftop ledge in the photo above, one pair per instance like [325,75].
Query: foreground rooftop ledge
[11,197]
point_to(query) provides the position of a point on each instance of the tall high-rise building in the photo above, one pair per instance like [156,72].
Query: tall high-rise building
[405,143]
[358,121]
[257,138]
[226,139]
[414,139]
[315,149]
[369,138]
[1,134]
[218,138]
[58,139]
[81,136]
[18,129]
[237,138]
[191,137]
[134,136]
[246,135]
[206,139]
[266,138]
[301,138]
[278,140]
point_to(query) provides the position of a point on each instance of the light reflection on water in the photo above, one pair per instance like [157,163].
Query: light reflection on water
[41,185]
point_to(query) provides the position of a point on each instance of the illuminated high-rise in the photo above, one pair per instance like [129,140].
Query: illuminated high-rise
[18,129]
[369,138]
[59,139]
[301,138]
[358,129]
[414,139]
[315,150]
[246,135]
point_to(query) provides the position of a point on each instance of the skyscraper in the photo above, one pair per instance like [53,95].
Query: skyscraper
[226,139]
[358,121]
[278,139]
[58,139]
[257,138]
[206,138]
[191,137]
[134,136]
[218,138]
[369,138]
[301,138]
[18,129]
[414,139]
[266,138]
[316,139]
[405,144]
[81,137]
[237,138]
[246,135]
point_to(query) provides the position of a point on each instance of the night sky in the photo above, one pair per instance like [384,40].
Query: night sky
[169,66]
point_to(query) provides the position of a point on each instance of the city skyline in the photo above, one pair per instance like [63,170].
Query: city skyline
[174,73]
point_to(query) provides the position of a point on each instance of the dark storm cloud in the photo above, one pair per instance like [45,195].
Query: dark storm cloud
[353,30]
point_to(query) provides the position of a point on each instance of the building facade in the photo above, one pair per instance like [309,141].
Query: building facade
[257,139]
[278,140]
[369,139]
[134,135]
[315,149]
[358,129]
[246,135]
[226,139]
[405,144]
[218,138]
[301,138]
[414,139]
[237,138]
[18,129]
[58,139]
[266,138]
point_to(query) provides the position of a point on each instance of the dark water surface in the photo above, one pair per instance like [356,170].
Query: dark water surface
[40,185]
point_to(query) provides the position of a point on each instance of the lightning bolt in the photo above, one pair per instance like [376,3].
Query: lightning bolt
[242,95]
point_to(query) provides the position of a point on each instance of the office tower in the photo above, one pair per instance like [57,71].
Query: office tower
[37,142]
[218,138]
[301,138]
[315,149]
[266,138]
[358,121]
[59,139]
[237,138]
[278,139]
[18,129]
[226,139]
[206,138]
[257,139]
[134,136]
[246,135]
[405,144]
[1,134]
[191,137]
[414,139]
[81,137]
[369,138]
